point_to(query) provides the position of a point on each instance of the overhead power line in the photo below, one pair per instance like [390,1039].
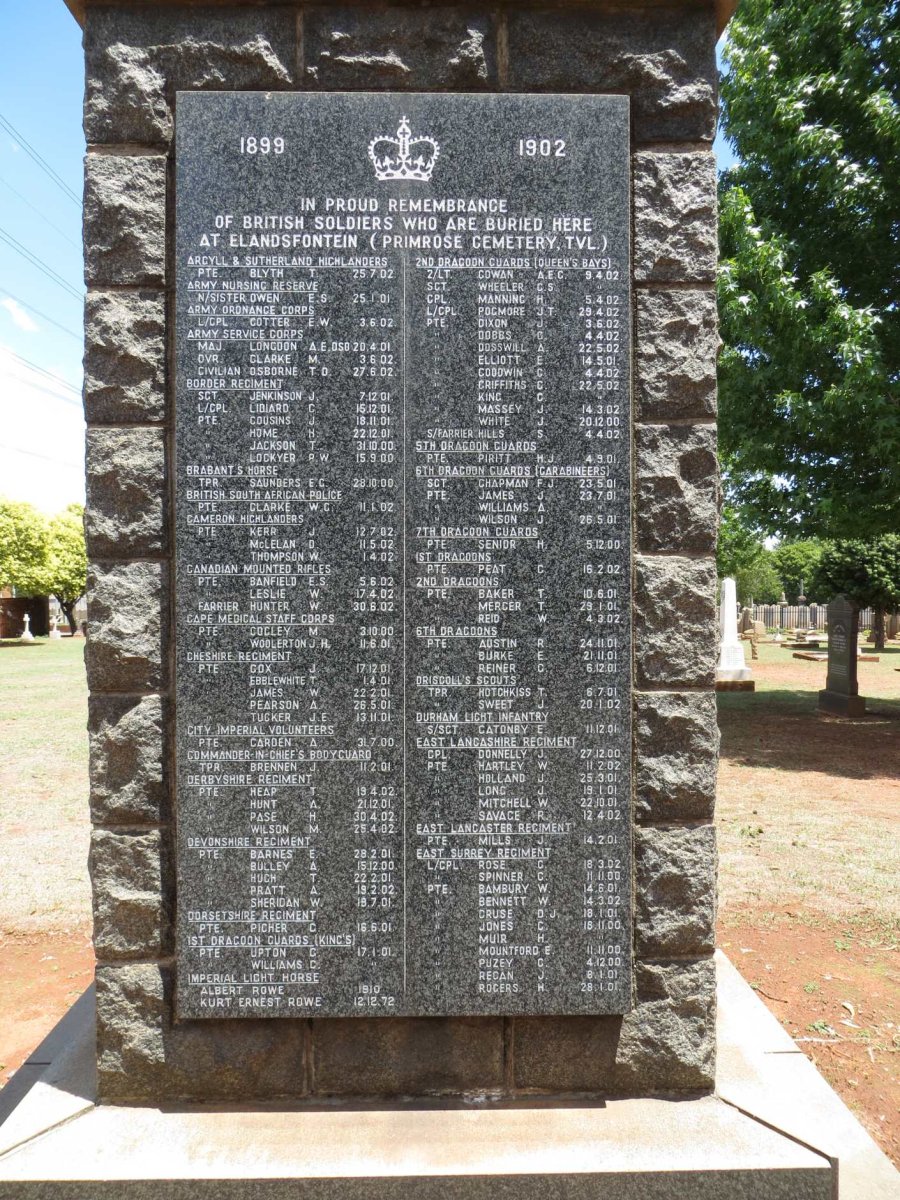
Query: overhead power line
[40,160]
[36,262]
[37,312]
[37,212]
[49,374]
[65,462]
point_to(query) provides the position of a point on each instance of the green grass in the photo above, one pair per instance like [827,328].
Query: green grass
[44,823]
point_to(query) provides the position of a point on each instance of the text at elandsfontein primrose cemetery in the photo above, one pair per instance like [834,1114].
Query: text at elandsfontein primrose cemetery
[403,554]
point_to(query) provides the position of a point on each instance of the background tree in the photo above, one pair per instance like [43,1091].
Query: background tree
[867,573]
[741,553]
[795,563]
[24,548]
[67,560]
[808,289]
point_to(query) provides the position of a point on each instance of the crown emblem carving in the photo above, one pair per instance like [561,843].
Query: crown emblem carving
[403,156]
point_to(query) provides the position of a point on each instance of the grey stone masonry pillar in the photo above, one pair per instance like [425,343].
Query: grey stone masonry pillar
[662,55]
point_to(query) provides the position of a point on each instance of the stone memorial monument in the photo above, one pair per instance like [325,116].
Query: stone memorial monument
[841,693]
[402,505]
[732,673]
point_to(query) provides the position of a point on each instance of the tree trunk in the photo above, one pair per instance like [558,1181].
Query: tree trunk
[878,628]
[68,607]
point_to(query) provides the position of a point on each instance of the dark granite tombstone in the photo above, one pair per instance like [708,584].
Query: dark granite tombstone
[403,554]
[841,695]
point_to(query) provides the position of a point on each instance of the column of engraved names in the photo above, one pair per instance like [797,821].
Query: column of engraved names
[279,342]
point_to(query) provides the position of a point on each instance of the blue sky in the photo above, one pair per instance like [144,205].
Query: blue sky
[41,422]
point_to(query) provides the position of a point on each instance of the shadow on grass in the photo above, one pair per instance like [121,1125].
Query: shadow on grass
[782,729]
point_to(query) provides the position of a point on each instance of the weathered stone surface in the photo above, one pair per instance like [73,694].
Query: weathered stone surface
[124,219]
[128,770]
[664,60]
[136,62]
[677,741]
[131,916]
[125,515]
[677,488]
[125,650]
[124,357]
[675,890]
[674,216]
[675,355]
[424,1056]
[667,1041]
[142,1056]
[675,621]
[400,49]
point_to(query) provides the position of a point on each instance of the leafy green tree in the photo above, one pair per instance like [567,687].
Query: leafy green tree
[867,573]
[741,553]
[24,548]
[795,563]
[809,293]
[67,560]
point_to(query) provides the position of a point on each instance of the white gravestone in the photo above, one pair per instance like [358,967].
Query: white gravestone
[732,664]
[27,635]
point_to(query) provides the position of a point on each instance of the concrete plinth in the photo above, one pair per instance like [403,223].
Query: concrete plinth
[773,1130]
[840,705]
[735,685]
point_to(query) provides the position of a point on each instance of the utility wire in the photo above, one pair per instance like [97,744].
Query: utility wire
[36,262]
[42,371]
[65,462]
[37,212]
[38,313]
[41,162]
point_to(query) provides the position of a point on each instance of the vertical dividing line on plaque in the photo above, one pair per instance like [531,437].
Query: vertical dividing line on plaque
[403,584]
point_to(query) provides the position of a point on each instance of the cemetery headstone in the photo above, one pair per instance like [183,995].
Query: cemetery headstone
[732,673]
[26,634]
[841,693]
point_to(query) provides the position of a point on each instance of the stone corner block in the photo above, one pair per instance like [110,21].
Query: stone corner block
[413,1055]
[665,1043]
[677,481]
[131,911]
[675,621]
[399,48]
[126,627]
[664,62]
[674,216]
[124,357]
[676,351]
[126,492]
[128,759]
[137,61]
[675,889]
[125,219]
[676,748]
[144,1056]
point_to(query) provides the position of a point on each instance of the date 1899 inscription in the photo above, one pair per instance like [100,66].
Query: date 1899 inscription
[403,555]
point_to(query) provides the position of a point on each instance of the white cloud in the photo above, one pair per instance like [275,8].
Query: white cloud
[20,317]
[41,437]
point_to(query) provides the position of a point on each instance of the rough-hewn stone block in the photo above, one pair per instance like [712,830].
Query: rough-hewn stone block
[143,1056]
[677,740]
[128,769]
[124,357]
[131,916]
[136,62]
[675,621]
[677,488]
[402,49]
[124,219]
[675,889]
[675,354]
[425,1056]
[125,650]
[666,1042]
[664,60]
[674,216]
[126,493]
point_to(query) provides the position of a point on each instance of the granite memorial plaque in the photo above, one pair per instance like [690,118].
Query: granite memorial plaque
[403,554]
[841,695]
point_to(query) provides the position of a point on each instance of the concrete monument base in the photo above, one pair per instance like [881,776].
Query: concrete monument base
[840,705]
[774,1129]
[735,685]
